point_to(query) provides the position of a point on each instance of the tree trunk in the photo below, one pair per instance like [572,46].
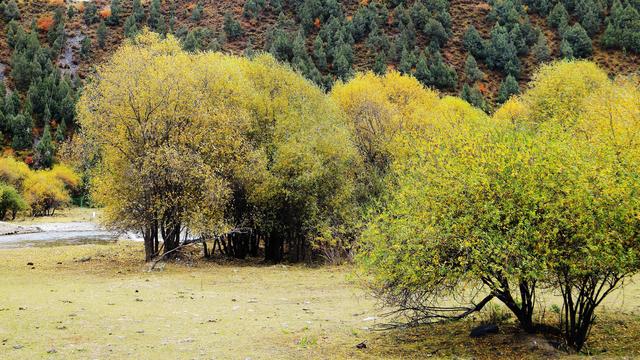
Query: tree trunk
[273,248]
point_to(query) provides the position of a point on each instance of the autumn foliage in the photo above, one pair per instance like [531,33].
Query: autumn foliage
[44,191]
[45,23]
[105,12]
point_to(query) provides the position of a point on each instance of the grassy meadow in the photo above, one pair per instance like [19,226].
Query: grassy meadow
[100,301]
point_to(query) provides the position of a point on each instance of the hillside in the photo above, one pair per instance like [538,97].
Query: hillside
[325,40]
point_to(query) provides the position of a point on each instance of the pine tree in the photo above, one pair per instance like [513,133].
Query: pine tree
[471,70]
[435,31]
[130,27]
[71,12]
[196,14]
[57,30]
[473,96]
[474,43]
[407,61]
[443,76]
[319,53]
[102,34]
[138,11]
[540,50]
[21,129]
[579,41]
[508,88]
[191,42]
[299,49]
[591,22]
[276,5]
[249,51]
[156,19]
[252,8]
[46,116]
[380,65]
[90,14]
[502,53]
[565,49]
[422,70]
[231,26]
[85,47]
[341,66]
[12,104]
[114,18]
[61,131]
[45,149]
[11,11]
[558,17]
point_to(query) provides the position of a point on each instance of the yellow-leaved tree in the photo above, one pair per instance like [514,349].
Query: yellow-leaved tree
[202,143]
[544,194]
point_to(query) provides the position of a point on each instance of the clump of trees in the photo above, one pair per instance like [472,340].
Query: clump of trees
[41,192]
[542,195]
[198,144]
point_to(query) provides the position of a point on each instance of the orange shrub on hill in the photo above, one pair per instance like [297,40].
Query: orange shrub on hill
[45,23]
[56,2]
[105,12]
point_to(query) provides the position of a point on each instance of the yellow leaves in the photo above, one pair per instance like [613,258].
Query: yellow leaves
[558,90]
[512,111]
[13,172]
[380,107]
[65,174]
[45,190]
[185,131]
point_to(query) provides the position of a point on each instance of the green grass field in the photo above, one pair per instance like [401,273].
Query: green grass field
[67,306]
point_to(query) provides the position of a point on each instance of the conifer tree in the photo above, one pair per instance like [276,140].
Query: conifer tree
[473,96]
[116,9]
[45,149]
[508,88]
[380,65]
[319,53]
[11,11]
[231,26]
[565,49]
[102,34]
[61,131]
[21,128]
[249,51]
[422,70]
[540,50]
[130,27]
[191,42]
[443,76]
[471,70]
[558,17]
[138,11]
[85,47]
[90,14]
[156,19]
[196,14]
[474,43]
[579,41]
[407,61]
[71,12]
